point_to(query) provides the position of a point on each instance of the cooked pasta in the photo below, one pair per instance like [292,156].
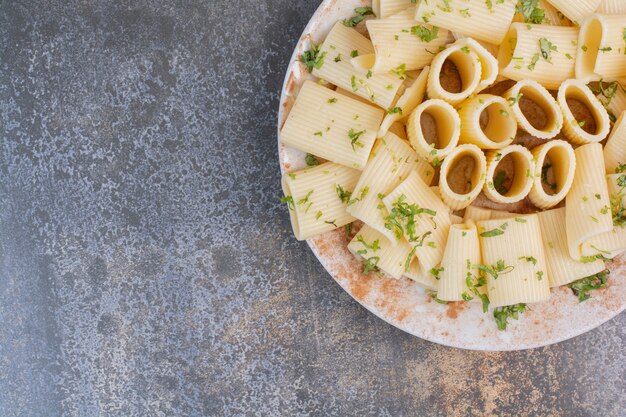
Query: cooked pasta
[462,251]
[488,62]
[421,275]
[588,209]
[601,48]
[467,64]
[343,130]
[615,148]
[433,129]
[562,269]
[542,53]
[509,174]
[487,121]
[612,7]
[476,214]
[410,99]
[391,162]
[400,42]
[555,165]
[462,176]
[377,250]
[514,261]
[528,93]
[576,11]
[431,220]
[613,98]
[335,66]
[484,20]
[311,195]
[575,94]
[386,8]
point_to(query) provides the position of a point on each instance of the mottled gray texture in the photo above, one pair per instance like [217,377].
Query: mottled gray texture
[147,267]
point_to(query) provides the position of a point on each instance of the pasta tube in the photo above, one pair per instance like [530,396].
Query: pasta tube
[314,207]
[343,130]
[476,214]
[513,261]
[469,69]
[386,8]
[615,148]
[378,251]
[601,48]
[487,121]
[576,11]
[612,7]
[541,53]
[588,210]
[462,176]
[535,110]
[509,174]
[433,129]
[585,119]
[555,165]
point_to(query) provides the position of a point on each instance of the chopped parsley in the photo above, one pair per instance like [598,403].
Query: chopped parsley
[332,100]
[533,62]
[311,160]
[395,110]
[514,100]
[354,53]
[474,292]
[530,259]
[374,246]
[354,138]
[371,265]
[400,71]
[348,229]
[582,286]
[498,183]
[312,58]
[361,13]
[465,13]
[546,48]
[436,271]
[495,270]
[495,232]
[401,220]
[531,11]
[362,194]
[425,34]
[289,200]
[544,176]
[343,195]
[502,314]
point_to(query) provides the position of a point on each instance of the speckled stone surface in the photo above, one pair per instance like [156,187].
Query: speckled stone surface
[147,268]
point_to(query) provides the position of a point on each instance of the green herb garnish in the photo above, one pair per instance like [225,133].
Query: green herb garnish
[582,286]
[502,314]
[361,13]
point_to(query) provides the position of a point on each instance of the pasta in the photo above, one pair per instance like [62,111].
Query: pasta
[461,191]
[483,20]
[476,214]
[400,42]
[613,98]
[314,207]
[431,222]
[462,251]
[392,161]
[421,275]
[509,174]
[543,13]
[412,97]
[487,121]
[541,53]
[343,131]
[499,215]
[612,7]
[433,129]
[588,210]
[488,62]
[469,67]
[514,261]
[576,11]
[380,252]
[555,165]
[561,268]
[335,67]
[543,125]
[601,48]
[386,8]
[574,95]
[615,148]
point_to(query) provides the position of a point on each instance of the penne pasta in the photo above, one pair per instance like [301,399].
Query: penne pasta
[420,217]
[585,120]
[534,108]
[410,99]
[378,251]
[314,207]
[456,272]
[615,148]
[342,131]
[342,44]
[541,53]
[468,66]
[612,7]
[462,176]
[391,162]
[588,210]
[576,11]
[433,129]
[400,42]
[601,48]
[509,174]
[555,165]
[476,214]
[385,8]
[487,122]
[483,20]
[562,269]
[514,261]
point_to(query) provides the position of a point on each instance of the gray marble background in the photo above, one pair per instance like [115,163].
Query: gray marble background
[147,268]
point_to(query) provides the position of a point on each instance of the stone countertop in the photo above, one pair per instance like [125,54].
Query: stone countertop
[147,267]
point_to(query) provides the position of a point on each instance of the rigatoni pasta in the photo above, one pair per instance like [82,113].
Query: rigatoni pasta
[410,99]
[378,251]
[542,53]
[575,96]
[555,165]
[509,174]
[525,94]
[433,129]
[484,20]
[577,10]
[615,148]
[469,68]
[487,121]
[311,195]
[476,214]
[612,7]
[462,176]
[343,130]
[601,48]
[386,8]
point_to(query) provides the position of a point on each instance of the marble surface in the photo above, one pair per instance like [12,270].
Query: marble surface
[147,267]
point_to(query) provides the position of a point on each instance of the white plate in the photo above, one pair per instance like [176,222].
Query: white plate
[403,303]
